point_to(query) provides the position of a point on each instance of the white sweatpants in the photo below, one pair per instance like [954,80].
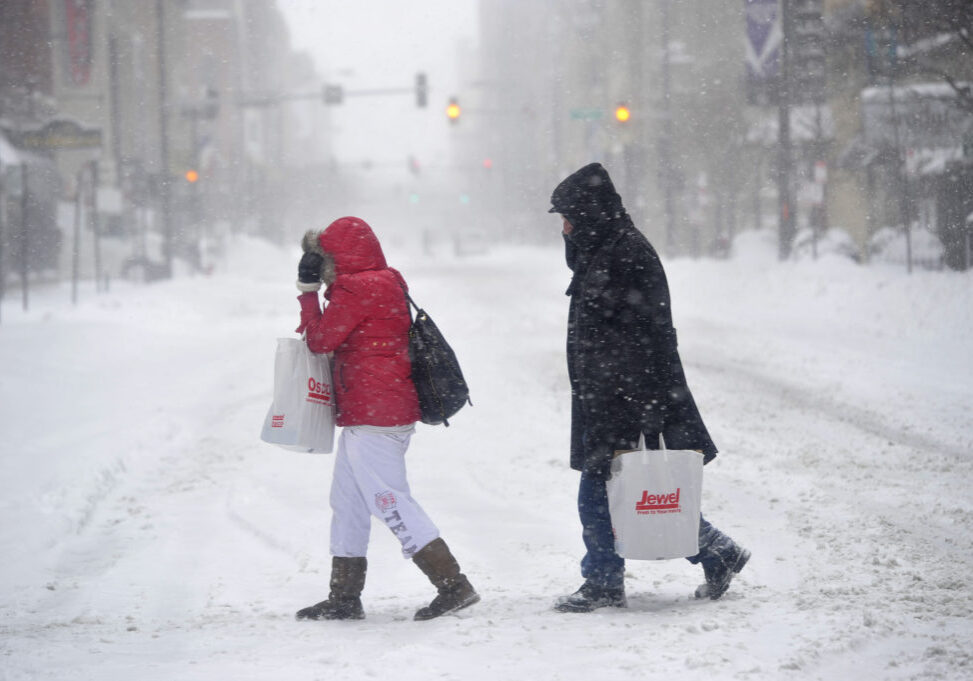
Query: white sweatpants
[369,479]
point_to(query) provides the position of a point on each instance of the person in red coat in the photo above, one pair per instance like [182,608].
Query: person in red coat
[365,324]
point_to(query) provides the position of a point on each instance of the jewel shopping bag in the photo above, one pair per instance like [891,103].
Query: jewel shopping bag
[654,499]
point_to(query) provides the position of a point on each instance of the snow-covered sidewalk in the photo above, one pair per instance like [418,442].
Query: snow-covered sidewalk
[148,534]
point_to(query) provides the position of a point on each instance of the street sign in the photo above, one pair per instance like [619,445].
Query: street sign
[333,94]
[820,172]
[586,114]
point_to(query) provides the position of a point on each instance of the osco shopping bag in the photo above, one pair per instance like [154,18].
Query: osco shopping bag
[301,417]
[654,500]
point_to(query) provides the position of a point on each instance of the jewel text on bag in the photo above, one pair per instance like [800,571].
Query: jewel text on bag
[658,503]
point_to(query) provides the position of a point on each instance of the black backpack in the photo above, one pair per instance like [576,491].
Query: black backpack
[435,371]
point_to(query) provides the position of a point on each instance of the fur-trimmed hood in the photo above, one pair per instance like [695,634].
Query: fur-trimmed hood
[350,243]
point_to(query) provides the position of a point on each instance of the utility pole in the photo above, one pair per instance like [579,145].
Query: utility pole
[666,146]
[785,199]
[900,160]
[76,247]
[24,233]
[3,216]
[164,186]
[114,105]
[94,223]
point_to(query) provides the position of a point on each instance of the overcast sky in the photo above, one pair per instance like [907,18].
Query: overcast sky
[364,44]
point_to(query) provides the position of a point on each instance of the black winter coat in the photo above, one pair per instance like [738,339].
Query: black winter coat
[623,361]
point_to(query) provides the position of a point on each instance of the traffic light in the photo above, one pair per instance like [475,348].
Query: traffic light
[808,65]
[622,114]
[422,89]
[333,94]
[192,176]
[453,111]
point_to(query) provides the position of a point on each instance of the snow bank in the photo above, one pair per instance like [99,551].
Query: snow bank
[888,245]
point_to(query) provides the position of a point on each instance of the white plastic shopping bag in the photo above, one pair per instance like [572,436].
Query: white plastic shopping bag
[301,417]
[654,500]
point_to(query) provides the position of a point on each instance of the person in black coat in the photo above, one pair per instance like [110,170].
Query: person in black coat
[626,379]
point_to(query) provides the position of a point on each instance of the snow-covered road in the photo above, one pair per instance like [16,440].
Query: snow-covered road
[148,534]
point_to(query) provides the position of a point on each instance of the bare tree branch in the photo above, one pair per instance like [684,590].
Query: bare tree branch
[964,92]
[918,20]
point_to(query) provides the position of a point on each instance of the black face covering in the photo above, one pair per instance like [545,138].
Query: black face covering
[588,200]
[576,261]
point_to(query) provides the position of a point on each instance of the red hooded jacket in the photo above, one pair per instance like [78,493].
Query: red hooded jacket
[366,324]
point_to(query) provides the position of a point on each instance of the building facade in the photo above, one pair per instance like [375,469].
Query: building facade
[179,124]
[698,157]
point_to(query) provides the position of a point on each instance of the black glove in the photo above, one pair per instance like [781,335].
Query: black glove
[309,273]
[309,269]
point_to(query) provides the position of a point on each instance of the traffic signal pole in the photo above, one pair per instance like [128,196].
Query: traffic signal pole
[334,94]
[164,188]
[785,199]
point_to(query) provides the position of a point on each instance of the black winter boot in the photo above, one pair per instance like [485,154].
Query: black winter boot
[455,590]
[344,601]
[591,597]
[719,566]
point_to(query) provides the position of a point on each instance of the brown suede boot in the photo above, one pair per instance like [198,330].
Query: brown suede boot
[455,590]
[344,601]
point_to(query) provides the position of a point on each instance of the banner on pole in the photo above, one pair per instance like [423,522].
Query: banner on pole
[763,43]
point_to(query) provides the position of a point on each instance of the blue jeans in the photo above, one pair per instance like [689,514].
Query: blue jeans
[601,565]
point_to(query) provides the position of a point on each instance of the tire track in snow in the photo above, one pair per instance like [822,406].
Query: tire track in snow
[873,539]
[862,419]
[921,451]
